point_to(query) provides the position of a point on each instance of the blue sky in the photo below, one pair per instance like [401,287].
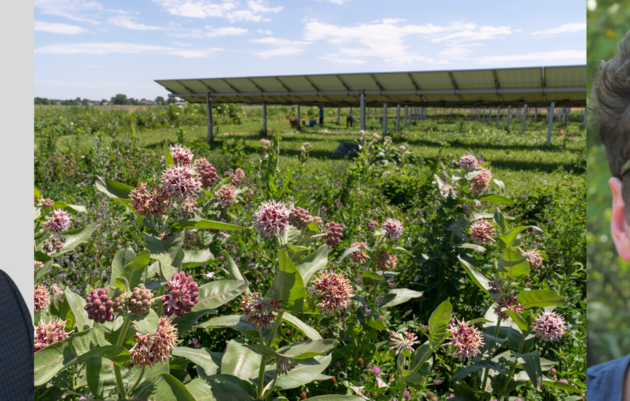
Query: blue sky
[96,49]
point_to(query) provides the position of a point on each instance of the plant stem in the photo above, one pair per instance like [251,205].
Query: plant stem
[121,339]
[263,358]
[137,381]
[485,374]
[520,349]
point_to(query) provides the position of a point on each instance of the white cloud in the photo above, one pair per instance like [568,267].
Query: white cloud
[122,48]
[76,10]
[340,2]
[225,9]
[181,43]
[123,21]
[566,28]
[225,31]
[264,32]
[281,47]
[456,52]
[474,32]
[53,27]
[542,56]
[334,58]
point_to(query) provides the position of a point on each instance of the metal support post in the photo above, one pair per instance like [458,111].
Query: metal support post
[298,118]
[363,122]
[483,118]
[209,112]
[584,120]
[553,104]
[406,111]
[535,113]
[489,115]
[397,118]
[498,115]
[338,115]
[524,118]
[264,119]
[509,117]
[384,119]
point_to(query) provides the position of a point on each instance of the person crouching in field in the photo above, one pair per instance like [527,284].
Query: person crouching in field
[610,381]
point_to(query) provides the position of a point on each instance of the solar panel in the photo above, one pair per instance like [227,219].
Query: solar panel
[536,86]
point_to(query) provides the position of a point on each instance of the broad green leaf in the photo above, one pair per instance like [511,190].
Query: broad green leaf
[72,209]
[167,252]
[122,284]
[307,349]
[513,264]
[75,238]
[77,304]
[505,240]
[461,373]
[476,276]
[206,225]
[398,296]
[112,188]
[168,157]
[540,298]
[233,268]
[348,252]
[300,325]
[239,360]
[147,323]
[123,257]
[135,271]
[37,193]
[195,258]
[495,199]
[518,319]
[217,293]
[371,278]
[312,263]
[164,387]
[102,381]
[210,361]
[376,322]
[490,346]
[500,220]
[41,273]
[438,321]
[231,321]
[561,386]
[303,374]
[73,350]
[289,284]
[419,354]
[221,387]
[531,364]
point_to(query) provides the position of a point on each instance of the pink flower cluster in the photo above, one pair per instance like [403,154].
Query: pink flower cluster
[99,307]
[182,156]
[181,182]
[49,333]
[207,172]
[465,338]
[333,234]
[298,218]
[468,162]
[272,218]
[549,326]
[58,222]
[372,225]
[359,256]
[534,258]
[147,202]
[181,295]
[259,310]
[42,298]
[399,342]
[334,289]
[393,228]
[481,182]
[149,349]
[481,232]
[227,195]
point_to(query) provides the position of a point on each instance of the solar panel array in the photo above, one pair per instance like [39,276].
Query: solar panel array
[536,86]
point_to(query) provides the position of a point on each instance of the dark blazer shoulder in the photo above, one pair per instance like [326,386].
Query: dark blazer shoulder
[605,381]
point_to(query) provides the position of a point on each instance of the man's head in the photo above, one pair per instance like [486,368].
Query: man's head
[612,113]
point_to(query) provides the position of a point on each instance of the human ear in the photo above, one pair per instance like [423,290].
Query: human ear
[618,222]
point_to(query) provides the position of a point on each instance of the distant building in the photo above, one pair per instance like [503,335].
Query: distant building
[58,103]
[90,104]
[79,103]
[104,103]
[180,103]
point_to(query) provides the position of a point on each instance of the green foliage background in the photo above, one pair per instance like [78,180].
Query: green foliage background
[608,275]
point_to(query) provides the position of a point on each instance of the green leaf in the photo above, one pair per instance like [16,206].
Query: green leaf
[531,364]
[239,360]
[505,240]
[300,325]
[122,284]
[167,252]
[77,304]
[73,350]
[307,349]
[75,238]
[371,278]
[312,263]
[168,157]
[195,258]
[513,264]
[135,271]
[303,374]
[348,252]
[561,386]
[233,268]
[518,319]
[398,296]
[438,321]
[210,361]
[490,346]
[289,284]
[164,387]
[102,381]
[41,273]
[540,298]
[147,323]
[72,209]
[123,257]
[206,225]
[495,199]
[336,397]
[112,188]
[461,373]
[221,387]
[235,322]
[500,220]
[37,194]
[217,293]
[476,276]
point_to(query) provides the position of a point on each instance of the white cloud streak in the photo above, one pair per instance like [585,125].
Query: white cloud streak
[124,21]
[53,27]
[76,10]
[228,9]
[566,28]
[281,47]
[545,57]
[122,48]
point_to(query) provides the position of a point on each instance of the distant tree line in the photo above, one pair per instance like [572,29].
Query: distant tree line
[119,99]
